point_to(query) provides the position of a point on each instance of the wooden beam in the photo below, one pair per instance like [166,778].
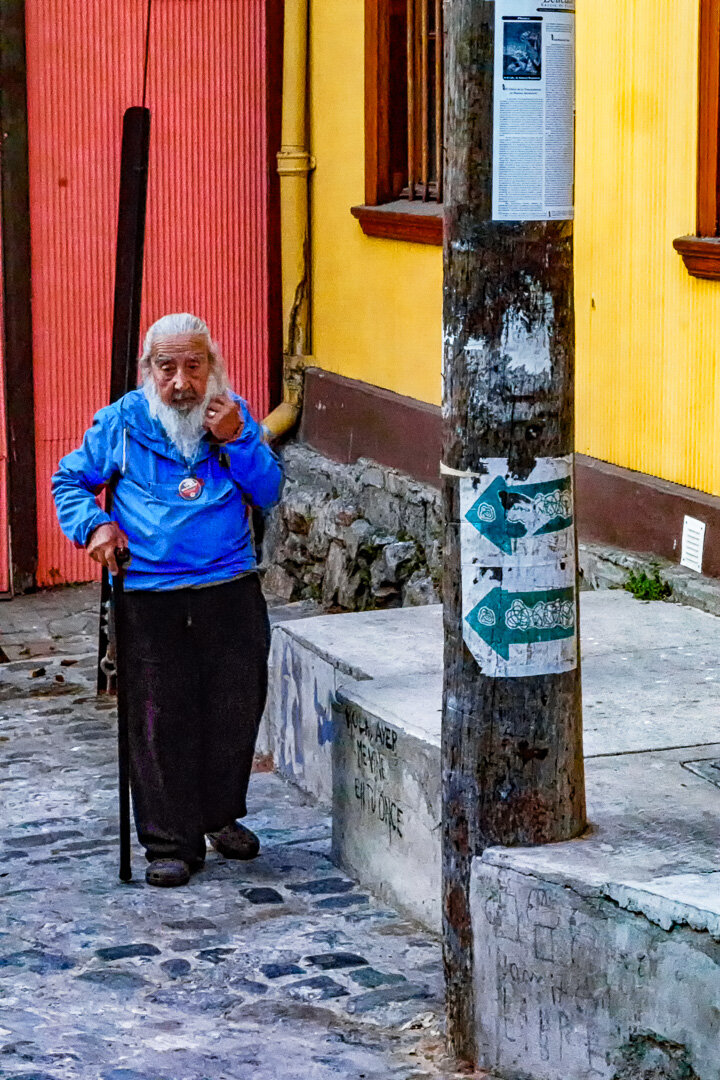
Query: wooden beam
[709,119]
[377,119]
[424,117]
[412,90]
[17,296]
[439,96]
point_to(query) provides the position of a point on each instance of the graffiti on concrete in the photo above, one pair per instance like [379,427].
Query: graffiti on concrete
[291,759]
[374,802]
[373,731]
[324,717]
[374,759]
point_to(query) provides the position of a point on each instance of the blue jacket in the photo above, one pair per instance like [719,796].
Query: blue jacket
[174,542]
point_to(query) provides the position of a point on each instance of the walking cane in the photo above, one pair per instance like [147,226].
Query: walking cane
[122,557]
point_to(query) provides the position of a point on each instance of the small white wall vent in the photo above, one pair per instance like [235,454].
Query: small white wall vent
[693,541]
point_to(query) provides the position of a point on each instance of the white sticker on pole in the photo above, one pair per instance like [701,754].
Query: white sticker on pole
[517,553]
[534,110]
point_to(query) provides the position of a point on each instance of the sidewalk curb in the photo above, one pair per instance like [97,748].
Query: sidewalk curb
[608,568]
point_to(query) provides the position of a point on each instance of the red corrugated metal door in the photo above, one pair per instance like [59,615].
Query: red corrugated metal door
[207,232]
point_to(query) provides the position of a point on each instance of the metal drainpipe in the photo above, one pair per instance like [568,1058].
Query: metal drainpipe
[294,164]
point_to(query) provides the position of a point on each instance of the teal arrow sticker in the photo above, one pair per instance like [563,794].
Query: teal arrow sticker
[506,513]
[503,618]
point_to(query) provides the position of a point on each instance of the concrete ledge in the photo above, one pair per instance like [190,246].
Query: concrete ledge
[604,567]
[691,900]
[354,718]
[387,801]
[607,947]
[311,659]
[572,988]
[340,724]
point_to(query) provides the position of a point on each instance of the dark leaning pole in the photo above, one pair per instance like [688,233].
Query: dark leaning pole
[132,205]
[512,728]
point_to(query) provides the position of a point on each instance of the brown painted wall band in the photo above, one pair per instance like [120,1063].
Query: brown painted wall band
[346,420]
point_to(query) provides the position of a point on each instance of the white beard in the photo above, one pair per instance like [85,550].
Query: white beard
[183,427]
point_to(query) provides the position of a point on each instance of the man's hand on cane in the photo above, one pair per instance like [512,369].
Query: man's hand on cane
[104,542]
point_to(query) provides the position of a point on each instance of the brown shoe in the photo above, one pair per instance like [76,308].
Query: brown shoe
[167,873]
[235,842]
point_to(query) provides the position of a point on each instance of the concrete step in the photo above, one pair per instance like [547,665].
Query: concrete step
[600,958]
[354,718]
[594,959]
[387,803]
[375,758]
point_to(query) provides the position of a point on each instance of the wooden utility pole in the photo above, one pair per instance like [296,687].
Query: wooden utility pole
[512,728]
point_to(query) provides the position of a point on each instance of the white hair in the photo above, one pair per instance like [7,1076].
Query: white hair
[183,323]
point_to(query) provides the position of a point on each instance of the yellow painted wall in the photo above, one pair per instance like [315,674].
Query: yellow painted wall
[376,304]
[648,378]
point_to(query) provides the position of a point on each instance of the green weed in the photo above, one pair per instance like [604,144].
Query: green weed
[644,587]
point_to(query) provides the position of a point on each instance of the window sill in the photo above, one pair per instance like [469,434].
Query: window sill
[419,223]
[701,255]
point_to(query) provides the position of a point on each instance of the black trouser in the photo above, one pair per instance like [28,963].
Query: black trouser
[197,680]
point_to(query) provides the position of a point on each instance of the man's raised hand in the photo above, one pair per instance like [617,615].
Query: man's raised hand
[223,419]
[103,542]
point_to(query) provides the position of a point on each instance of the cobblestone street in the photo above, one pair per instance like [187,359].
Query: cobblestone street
[278,968]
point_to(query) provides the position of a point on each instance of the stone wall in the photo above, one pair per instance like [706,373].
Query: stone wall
[354,537]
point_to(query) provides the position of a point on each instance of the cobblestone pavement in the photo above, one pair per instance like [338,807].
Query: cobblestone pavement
[278,968]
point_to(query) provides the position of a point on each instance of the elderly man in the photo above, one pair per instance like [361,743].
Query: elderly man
[186,460]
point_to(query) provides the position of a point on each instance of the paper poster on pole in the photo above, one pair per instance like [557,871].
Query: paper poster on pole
[534,110]
[517,559]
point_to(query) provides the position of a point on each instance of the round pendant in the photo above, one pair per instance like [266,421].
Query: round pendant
[190,487]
